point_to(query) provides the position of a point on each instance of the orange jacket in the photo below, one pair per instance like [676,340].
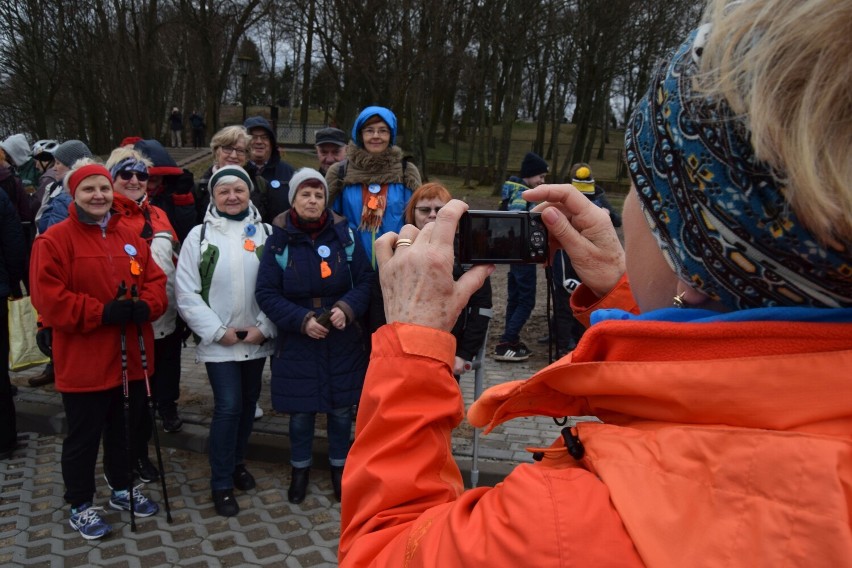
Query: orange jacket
[723,444]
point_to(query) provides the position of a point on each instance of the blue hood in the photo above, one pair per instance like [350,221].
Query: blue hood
[385,114]
[260,122]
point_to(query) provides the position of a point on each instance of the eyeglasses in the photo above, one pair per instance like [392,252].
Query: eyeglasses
[126,175]
[427,210]
[233,150]
[264,137]
[376,132]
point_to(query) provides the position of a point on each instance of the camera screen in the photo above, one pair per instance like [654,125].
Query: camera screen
[497,238]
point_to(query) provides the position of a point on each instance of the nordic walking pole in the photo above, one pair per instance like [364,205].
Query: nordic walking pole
[478,367]
[134,293]
[125,385]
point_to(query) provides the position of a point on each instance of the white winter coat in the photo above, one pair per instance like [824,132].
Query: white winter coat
[232,302]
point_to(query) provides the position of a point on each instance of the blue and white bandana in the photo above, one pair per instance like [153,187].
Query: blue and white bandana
[129,164]
[718,213]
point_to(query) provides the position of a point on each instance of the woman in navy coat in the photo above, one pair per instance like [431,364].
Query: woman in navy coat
[314,283]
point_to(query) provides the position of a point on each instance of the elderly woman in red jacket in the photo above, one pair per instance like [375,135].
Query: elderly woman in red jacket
[725,406]
[84,271]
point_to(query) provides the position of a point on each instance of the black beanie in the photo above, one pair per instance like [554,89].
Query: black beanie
[533,165]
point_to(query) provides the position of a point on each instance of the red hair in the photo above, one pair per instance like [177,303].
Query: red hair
[432,190]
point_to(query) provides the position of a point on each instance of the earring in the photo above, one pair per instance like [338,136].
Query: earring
[678,300]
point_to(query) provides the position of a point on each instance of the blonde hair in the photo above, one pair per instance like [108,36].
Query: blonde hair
[124,152]
[229,136]
[785,68]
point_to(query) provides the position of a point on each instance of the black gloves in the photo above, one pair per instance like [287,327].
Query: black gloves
[44,340]
[141,312]
[118,312]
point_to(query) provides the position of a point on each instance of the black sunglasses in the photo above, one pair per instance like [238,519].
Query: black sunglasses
[127,174]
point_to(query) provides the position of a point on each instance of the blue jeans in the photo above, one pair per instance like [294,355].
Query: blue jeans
[236,388]
[302,437]
[521,285]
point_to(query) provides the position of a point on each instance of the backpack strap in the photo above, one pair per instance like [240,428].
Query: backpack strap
[350,248]
[283,257]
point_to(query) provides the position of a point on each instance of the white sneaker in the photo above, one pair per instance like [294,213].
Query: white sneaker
[258,411]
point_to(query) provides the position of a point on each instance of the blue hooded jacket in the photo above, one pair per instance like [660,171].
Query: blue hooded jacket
[364,169]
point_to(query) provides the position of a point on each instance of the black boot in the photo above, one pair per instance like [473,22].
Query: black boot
[298,484]
[337,480]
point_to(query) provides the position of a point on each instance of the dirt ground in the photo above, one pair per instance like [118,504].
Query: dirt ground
[535,327]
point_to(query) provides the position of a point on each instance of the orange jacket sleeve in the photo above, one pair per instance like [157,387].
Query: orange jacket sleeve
[584,301]
[403,497]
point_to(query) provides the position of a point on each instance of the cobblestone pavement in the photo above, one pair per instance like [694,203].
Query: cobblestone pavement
[34,529]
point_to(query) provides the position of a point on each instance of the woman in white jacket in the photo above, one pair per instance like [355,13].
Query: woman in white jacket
[216,277]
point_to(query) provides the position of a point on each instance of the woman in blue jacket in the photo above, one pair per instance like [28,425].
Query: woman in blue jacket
[314,283]
[372,186]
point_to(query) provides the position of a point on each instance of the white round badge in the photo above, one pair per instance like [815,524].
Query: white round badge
[374,188]
[324,251]
[130,249]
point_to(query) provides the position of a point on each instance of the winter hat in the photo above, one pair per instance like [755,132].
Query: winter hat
[304,175]
[163,164]
[226,174]
[384,113]
[17,149]
[70,151]
[533,165]
[331,135]
[81,173]
[130,140]
[583,180]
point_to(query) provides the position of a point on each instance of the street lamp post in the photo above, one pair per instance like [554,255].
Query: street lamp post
[244,63]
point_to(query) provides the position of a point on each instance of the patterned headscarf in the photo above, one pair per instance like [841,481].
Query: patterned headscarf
[718,213]
[129,164]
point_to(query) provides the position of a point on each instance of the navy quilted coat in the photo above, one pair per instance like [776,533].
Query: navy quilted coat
[315,375]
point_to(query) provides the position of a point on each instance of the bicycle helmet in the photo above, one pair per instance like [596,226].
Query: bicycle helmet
[43,150]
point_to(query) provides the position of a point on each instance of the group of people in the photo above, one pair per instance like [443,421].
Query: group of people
[176,127]
[254,262]
[716,353]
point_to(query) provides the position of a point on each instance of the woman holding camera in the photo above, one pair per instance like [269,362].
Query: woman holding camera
[216,277]
[718,353]
[314,283]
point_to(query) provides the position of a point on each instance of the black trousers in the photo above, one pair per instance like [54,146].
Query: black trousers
[8,431]
[93,416]
[566,329]
[165,382]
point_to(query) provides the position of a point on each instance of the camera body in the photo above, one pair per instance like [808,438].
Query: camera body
[502,237]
